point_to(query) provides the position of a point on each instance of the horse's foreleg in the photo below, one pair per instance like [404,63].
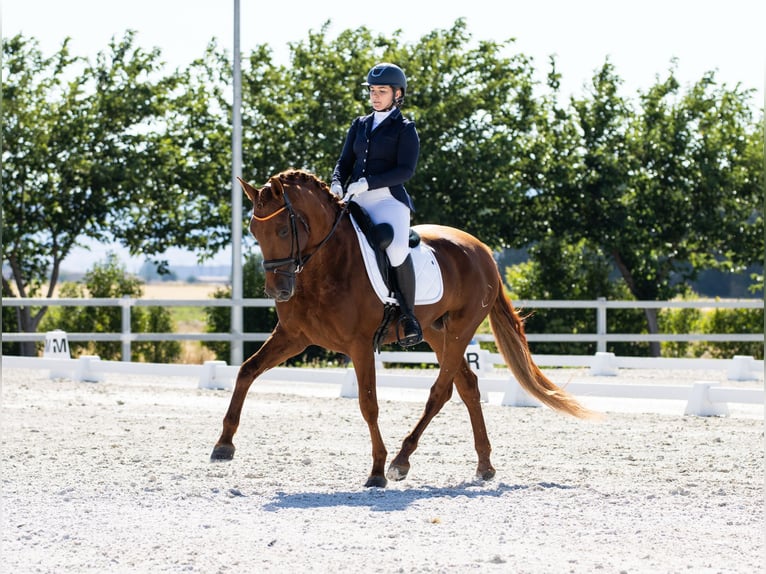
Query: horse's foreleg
[277,348]
[467,385]
[364,368]
[441,391]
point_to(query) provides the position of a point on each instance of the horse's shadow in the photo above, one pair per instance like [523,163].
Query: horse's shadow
[386,500]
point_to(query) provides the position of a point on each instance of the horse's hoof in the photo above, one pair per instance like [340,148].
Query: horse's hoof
[488,474]
[222,452]
[397,473]
[376,481]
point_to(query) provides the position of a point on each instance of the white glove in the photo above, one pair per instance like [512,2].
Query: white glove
[337,188]
[358,187]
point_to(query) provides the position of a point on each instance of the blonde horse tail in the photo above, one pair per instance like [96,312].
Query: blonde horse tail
[508,329]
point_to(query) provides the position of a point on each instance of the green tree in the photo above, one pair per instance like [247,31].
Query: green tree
[110,151]
[731,321]
[70,154]
[557,270]
[664,191]
[109,279]
[184,167]
[297,116]
[475,110]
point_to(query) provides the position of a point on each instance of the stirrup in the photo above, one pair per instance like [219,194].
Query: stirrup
[415,334]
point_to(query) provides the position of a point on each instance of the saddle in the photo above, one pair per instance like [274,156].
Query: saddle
[379,236]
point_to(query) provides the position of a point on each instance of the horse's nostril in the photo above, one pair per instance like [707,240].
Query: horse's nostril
[281,295]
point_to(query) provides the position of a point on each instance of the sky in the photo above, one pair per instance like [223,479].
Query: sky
[639,37]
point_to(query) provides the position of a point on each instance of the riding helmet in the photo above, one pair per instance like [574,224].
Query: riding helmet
[385,74]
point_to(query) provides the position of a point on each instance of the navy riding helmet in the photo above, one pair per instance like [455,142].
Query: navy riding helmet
[386,74]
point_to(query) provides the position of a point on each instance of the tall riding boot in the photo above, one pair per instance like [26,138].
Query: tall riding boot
[412,334]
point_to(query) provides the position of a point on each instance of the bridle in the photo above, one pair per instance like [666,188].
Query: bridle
[296,261]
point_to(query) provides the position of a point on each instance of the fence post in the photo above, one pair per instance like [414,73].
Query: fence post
[349,389]
[126,303]
[601,324]
[84,371]
[515,396]
[209,379]
[742,368]
[700,404]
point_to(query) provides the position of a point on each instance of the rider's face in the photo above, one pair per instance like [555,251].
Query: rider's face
[381,97]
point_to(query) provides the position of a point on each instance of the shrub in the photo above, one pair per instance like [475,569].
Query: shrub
[254,319]
[732,321]
[572,272]
[679,321]
[110,280]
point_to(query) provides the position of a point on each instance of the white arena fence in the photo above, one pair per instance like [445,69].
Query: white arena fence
[600,306]
[703,398]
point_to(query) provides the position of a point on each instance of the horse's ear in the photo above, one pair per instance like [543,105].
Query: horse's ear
[248,189]
[276,186]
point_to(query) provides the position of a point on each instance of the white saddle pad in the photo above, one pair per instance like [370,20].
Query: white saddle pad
[429,286]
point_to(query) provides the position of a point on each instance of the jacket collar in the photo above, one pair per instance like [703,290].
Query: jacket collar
[395,114]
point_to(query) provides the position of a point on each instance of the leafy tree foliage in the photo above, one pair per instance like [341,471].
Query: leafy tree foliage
[665,190]
[110,279]
[571,272]
[72,160]
[110,151]
[661,186]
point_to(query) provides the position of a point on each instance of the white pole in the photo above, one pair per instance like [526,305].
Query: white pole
[236,200]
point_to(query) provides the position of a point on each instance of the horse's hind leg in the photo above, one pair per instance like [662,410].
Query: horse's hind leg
[441,391]
[468,387]
[467,384]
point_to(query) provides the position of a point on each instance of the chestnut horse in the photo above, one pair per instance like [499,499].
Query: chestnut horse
[323,297]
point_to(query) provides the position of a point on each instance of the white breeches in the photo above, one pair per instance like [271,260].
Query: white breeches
[385,208]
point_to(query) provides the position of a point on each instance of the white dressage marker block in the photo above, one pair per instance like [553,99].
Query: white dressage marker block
[478,359]
[57,347]
[516,396]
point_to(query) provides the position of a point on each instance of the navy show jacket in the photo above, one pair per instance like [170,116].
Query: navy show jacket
[386,156]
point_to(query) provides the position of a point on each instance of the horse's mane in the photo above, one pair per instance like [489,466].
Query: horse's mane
[301,176]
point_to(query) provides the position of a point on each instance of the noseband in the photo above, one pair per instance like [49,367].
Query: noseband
[297,261]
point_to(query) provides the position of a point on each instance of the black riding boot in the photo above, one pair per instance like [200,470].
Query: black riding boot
[411,333]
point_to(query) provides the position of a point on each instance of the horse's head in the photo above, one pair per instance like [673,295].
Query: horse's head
[293,215]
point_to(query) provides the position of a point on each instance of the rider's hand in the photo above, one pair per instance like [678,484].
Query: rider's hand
[358,187]
[337,189]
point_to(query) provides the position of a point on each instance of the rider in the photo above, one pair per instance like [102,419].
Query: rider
[380,153]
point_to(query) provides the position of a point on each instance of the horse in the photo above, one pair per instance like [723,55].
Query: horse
[315,274]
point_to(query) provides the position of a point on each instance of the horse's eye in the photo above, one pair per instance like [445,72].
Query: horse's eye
[283,232]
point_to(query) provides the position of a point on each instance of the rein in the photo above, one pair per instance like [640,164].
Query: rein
[297,261]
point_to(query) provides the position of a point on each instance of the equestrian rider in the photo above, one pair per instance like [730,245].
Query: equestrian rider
[380,154]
